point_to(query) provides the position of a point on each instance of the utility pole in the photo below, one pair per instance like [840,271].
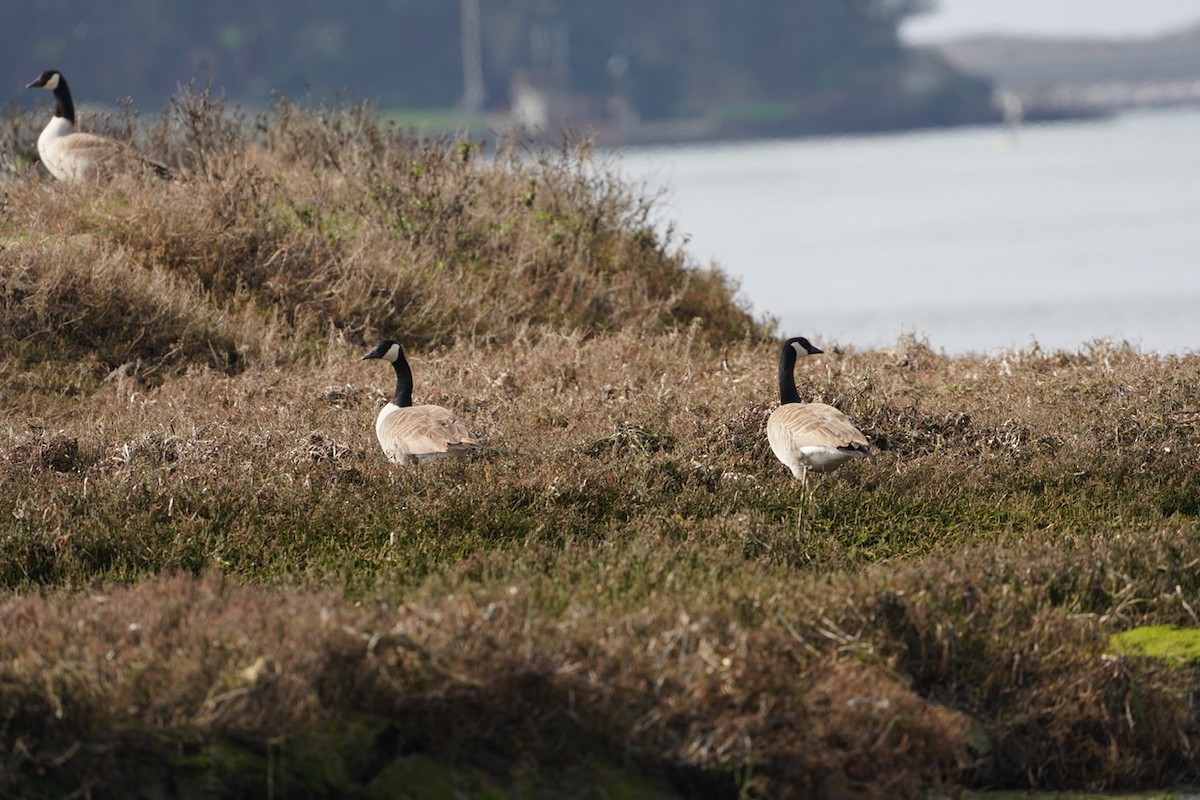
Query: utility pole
[472,57]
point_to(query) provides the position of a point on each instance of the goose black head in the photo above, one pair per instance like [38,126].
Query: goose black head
[47,80]
[802,346]
[387,349]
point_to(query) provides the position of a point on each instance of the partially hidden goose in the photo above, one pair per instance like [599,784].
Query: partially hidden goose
[412,434]
[809,436]
[75,157]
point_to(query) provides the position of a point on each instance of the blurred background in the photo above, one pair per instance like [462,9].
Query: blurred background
[981,173]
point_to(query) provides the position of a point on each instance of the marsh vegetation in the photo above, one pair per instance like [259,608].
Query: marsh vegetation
[215,583]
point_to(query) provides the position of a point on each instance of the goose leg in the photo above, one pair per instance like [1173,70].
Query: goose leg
[805,498]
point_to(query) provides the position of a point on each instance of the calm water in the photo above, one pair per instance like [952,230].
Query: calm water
[1073,232]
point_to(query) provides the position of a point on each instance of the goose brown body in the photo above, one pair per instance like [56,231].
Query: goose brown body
[422,433]
[74,157]
[411,434]
[809,436]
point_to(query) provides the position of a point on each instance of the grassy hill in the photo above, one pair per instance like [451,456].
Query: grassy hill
[216,586]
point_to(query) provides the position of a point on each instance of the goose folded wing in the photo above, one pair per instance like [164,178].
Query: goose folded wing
[427,429]
[110,156]
[817,424]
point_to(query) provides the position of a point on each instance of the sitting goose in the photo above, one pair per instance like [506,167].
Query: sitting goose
[74,157]
[808,436]
[412,434]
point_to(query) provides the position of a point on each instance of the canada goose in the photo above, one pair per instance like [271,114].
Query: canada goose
[74,157]
[809,436]
[412,434]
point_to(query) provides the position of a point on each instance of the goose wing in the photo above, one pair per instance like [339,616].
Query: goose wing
[814,425]
[97,153]
[422,430]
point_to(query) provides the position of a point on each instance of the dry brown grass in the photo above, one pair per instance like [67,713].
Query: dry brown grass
[206,556]
[333,219]
[877,686]
[625,562]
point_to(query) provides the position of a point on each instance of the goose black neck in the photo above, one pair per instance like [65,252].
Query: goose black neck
[404,383]
[63,105]
[787,378]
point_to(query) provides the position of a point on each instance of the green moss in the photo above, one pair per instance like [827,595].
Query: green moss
[1166,642]
[415,776]
[334,758]
[1071,796]
[611,783]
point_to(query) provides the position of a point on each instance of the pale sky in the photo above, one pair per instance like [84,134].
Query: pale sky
[1113,18]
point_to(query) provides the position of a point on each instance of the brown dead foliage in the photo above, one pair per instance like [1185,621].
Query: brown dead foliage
[47,450]
[878,684]
[332,219]
[200,539]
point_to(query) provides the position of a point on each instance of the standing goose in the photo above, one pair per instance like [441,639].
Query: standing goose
[412,434]
[809,436]
[75,157]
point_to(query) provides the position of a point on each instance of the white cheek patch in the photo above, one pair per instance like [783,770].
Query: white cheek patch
[52,84]
[393,353]
[800,351]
